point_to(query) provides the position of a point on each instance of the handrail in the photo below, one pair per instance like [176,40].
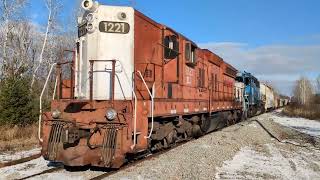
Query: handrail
[65,61]
[55,88]
[135,115]
[40,99]
[152,102]
[135,107]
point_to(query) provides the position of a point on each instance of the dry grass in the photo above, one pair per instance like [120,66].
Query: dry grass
[18,138]
[311,111]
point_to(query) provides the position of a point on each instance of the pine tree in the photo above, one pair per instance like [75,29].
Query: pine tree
[17,106]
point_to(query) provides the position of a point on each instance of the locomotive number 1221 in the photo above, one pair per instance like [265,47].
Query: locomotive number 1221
[114,27]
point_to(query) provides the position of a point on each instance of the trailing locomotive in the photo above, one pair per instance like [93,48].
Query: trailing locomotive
[253,103]
[137,86]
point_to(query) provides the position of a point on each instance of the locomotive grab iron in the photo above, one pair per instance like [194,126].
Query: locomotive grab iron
[135,86]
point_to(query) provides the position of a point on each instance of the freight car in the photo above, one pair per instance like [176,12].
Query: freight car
[267,97]
[284,100]
[253,102]
[276,100]
[135,86]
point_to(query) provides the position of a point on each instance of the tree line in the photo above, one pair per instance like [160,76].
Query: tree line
[27,51]
[306,92]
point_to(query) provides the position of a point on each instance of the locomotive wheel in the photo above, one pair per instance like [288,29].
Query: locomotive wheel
[172,137]
[205,125]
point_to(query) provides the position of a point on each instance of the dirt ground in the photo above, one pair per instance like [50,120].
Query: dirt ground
[269,146]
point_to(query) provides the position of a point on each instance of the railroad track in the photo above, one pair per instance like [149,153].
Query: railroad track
[55,169]
[126,166]
[135,162]
[19,161]
[111,172]
[130,164]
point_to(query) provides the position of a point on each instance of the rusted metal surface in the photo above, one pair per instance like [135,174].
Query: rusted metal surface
[190,99]
[80,115]
[66,86]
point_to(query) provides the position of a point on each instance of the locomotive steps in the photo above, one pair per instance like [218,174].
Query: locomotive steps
[247,150]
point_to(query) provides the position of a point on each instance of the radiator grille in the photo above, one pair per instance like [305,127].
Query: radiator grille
[55,139]
[109,145]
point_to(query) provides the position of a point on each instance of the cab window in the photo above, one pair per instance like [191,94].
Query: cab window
[190,53]
[171,47]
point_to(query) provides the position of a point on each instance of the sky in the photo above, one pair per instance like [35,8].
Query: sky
[278,41]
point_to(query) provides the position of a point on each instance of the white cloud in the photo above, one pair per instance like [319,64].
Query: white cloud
[278,64]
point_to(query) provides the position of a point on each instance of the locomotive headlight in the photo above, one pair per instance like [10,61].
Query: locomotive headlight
[86,3]
[56,114]
[111,114]
[90,17]
[90,5]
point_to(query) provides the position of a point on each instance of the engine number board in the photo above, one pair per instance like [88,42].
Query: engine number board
[114,27]
[82,30]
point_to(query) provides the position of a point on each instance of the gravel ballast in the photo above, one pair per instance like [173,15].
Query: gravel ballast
[207,157]
[242,151]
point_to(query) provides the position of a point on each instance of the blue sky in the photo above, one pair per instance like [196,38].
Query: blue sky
[246,33]
[256,22]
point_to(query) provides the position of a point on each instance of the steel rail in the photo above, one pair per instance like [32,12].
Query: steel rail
[19,161]
[51,170]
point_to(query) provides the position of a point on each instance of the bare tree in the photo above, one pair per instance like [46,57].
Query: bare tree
[303,91]
[9,12]
[21,49]
[53,7]
[318,84]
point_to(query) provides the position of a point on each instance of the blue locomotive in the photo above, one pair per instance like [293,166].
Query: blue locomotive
[253,104]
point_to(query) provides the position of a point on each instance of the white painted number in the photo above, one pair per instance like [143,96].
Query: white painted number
[110,27]
[114,27]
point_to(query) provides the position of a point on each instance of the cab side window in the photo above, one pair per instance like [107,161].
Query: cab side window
[171,47]
[190,53]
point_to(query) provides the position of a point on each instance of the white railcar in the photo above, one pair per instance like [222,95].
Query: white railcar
[267,96]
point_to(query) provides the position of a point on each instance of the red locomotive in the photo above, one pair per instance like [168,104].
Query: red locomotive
[135,86]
